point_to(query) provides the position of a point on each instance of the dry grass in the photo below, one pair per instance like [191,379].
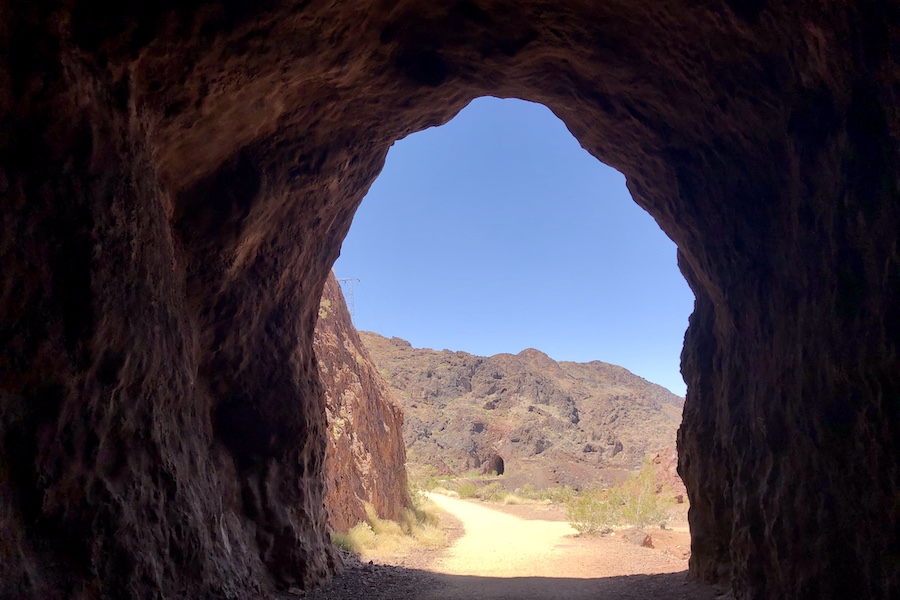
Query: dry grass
[376,537]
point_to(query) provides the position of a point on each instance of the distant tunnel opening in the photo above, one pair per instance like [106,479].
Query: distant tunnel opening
[496,465]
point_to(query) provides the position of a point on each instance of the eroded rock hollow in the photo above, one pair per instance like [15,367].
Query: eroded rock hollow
[176,180]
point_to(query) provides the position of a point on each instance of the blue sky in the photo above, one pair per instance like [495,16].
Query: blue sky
[497,232]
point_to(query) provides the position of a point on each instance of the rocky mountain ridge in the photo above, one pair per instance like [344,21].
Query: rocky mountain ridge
[465,412]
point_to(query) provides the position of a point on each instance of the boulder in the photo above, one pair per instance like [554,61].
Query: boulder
[638,537]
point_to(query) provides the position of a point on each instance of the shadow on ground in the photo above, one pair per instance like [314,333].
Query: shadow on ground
[382,582]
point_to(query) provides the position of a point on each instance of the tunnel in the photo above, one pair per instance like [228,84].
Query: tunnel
[495,465]
[175,183]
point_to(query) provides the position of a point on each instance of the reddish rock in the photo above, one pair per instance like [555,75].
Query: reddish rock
[176,180]
[665,465]
[365,460]
[462,410]
[638,537]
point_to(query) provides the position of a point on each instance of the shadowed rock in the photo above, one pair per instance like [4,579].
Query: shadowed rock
[365,460]
[176,180]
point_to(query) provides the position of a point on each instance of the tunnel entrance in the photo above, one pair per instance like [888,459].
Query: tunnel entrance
[475,232]
[177,180]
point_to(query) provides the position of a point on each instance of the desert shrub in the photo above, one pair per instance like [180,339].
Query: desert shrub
[467,490]
[324,307]
[559,494]
[361,536]
[423,477]
[410,518]
[416,497]
[528,491]
[382,526]
[594,511]
[556,495]
[493,492]
[344,542]
[635,502]
[423,526]
[642,504]
[417,528]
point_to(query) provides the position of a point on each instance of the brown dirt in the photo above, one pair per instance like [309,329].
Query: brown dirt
[501,555]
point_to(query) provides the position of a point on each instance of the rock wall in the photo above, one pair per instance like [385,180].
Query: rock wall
[365,461]
[177,178]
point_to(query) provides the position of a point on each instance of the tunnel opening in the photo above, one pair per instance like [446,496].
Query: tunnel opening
[495,465]
[496,234]
[762,139]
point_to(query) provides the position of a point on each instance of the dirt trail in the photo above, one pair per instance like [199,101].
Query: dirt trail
[502,556]
[498,556]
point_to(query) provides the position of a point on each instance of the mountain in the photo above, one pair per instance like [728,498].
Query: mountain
[365,460]
[561,422]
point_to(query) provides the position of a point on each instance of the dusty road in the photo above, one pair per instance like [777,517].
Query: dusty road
[504,557]
[498,556]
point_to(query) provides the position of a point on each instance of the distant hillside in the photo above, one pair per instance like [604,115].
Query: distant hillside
[570,419]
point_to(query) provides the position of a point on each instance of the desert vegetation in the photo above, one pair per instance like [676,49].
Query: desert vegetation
[640,501]
[418,527]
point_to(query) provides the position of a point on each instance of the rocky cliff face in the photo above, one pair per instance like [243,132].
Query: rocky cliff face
[365,461]
[175,182]
[533,412]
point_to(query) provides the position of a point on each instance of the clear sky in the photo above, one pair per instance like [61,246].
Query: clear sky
[497,232]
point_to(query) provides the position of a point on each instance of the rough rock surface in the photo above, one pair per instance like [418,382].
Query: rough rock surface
[665,465]
[638,537]
[462,411]
[177,178]
[365,460]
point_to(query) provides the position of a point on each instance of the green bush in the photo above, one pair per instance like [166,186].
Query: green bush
[642,505]
[595,511]
[467,490]
[528,491]
[559,495]
[635,502]
[344,542]
[556,495]
[493,492]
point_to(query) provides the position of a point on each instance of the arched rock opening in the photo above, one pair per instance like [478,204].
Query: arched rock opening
[495,465]
[177,180]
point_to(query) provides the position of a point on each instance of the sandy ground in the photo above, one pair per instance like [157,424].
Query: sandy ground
[497,556]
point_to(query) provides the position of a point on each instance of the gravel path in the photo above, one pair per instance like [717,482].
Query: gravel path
[500,556]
